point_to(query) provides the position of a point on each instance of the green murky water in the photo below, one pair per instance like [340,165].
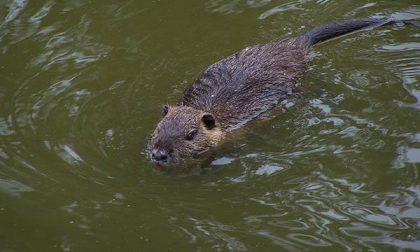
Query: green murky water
[81,85]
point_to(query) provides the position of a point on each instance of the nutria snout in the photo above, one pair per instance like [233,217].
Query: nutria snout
[238,89]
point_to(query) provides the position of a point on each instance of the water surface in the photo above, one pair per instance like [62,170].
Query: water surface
[81,86]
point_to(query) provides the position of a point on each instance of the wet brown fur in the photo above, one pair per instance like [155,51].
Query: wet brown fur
[238,89]
[234,91]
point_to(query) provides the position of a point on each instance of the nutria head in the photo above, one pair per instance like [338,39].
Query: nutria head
[183,133]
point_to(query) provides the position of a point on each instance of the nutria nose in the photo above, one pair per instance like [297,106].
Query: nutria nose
[159,155]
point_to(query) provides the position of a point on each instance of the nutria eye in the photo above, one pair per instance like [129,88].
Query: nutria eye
[165,110]
[190,136]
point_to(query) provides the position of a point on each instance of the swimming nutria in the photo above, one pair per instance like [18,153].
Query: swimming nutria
[239,88]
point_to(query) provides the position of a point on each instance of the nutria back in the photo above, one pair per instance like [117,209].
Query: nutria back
[240,87]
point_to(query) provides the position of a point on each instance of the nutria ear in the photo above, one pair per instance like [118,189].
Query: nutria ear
[165,109]
[208,121]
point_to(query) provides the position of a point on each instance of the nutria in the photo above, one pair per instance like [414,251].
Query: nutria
[238,89]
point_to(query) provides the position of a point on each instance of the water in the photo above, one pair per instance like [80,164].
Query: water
[81,86]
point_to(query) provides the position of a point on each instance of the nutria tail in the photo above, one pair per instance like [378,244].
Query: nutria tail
[333,30]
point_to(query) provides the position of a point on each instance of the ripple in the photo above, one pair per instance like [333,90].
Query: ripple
[234,6]
[268,169]
[322,209]
[13,187]
[6,128]
[15,9]
[43,12]
[407,155]
[293,5]
[217,231]
[309,240]
[68,155]
[370,217]
[402,47]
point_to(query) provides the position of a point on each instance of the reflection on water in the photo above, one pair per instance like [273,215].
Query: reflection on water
[81,88]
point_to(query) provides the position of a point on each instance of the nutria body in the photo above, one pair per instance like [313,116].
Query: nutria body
[238,89]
